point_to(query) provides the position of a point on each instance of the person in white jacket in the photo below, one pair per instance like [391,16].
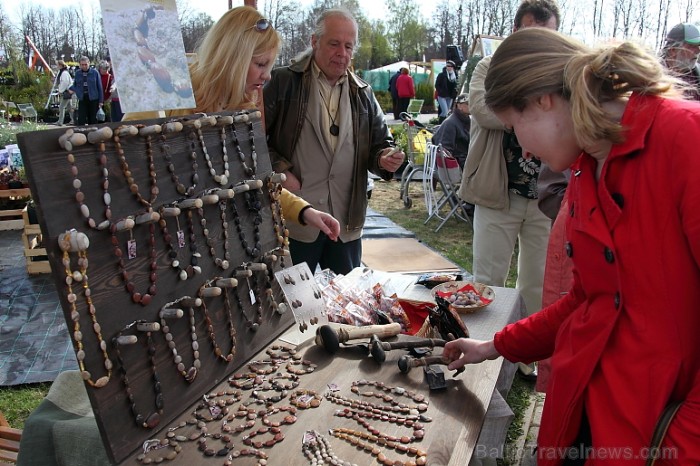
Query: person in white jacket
[63,82]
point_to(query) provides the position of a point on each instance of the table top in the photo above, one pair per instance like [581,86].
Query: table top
[457,411]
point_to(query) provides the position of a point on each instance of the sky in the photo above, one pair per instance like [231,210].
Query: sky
[373,9]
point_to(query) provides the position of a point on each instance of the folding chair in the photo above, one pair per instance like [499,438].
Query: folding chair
[27,111]
[449,176]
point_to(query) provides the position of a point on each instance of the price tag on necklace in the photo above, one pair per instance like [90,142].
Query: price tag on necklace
[251,293]
[131,249]
[180,239]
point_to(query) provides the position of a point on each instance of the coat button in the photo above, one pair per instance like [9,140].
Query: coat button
[569,249]
[609,256]
[619,200]
[617,300]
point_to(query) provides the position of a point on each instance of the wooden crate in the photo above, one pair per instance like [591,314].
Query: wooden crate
[11,219]
[31,238]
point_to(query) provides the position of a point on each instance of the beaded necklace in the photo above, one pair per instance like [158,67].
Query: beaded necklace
[128,224]
[80,195]
[176,127]
[245,117]
[121,339]
[214,284]
[66,241]
[356,438]
[183,272]
[317,449]
[223,177]
[124,164]
[189,374]
[274,189]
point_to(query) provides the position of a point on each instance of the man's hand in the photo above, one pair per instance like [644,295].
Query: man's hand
[391,159]
[291,183]
[323,221]
[467,351]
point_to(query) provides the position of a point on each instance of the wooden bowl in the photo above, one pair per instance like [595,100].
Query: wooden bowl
[485,293]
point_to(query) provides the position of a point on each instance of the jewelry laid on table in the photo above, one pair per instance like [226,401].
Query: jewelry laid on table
[277,384]
[170,311]
[282,353]
[307,367]
[217,284]
[216,405]
[317,449]
[173,449]
[128,224]
[159,72]
[305,399]
[356,438]
[75,241]
[176,127]
[271,427]
[388,391]
[121,339]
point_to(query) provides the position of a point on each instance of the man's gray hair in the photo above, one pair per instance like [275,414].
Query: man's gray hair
[320,28]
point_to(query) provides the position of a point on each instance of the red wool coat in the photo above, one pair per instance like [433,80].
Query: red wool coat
[624,341]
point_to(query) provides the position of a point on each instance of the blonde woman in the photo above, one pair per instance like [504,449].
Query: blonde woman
[233,62]
[623,341]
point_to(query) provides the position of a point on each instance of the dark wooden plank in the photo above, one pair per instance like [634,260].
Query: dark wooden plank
[51,184]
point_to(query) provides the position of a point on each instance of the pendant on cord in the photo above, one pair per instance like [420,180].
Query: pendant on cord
[335,130]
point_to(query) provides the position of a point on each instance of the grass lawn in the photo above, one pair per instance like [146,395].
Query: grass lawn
[454,241]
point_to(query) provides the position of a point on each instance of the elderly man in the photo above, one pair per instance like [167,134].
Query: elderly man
[87,85]
[453,133]
[680,54]
[325,130]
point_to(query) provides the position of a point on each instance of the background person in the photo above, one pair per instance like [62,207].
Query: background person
[87,86]
[680,55]
[453,133]
[341,135]
[446,89]
[500,179]
[107,80]
[222,83]
[394,95]
[624,340]
[405,89]
[63,82]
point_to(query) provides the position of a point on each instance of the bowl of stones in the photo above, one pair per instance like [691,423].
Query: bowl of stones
[465,297]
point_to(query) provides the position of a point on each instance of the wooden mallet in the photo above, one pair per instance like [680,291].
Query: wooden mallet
[331,337]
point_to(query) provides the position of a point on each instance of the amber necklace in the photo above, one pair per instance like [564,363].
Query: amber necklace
[69,242]
[126,170]
[122,339]
[128,224]
[220,178]
[176,127]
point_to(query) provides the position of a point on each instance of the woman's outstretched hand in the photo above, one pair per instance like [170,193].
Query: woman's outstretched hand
[467,351]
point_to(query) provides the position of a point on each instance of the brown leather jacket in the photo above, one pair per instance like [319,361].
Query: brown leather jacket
[286,98]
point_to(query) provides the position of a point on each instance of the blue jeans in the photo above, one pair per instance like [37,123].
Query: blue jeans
[445,104]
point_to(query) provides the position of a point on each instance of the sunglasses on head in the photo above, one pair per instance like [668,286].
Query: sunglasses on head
[261,25]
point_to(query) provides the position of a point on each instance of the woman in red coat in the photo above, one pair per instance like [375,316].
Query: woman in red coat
[624,341]
[405,90]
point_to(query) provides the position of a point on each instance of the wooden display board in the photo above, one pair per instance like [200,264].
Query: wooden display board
[140,177]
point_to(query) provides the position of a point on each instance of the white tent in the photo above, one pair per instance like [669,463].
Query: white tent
[401,64]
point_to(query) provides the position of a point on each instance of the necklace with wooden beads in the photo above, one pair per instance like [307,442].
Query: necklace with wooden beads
[189,374]
[361,417]
[210,325]
[81,276]
[317,449]
[356,438]
[128,174]
[176,127]
[122,339]
[159,72]
[408,412]
[80,195]
[138,298]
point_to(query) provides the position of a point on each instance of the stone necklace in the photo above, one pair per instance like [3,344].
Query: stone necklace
[189,374]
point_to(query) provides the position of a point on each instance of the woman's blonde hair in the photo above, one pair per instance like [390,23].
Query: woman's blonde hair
[537,61]
[219,72]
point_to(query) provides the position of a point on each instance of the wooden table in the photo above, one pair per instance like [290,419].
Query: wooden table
[458,412]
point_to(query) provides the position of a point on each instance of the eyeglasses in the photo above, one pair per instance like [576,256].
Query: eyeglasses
[261,25]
